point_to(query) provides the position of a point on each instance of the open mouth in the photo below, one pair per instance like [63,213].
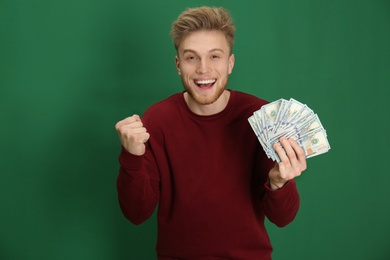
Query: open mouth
[205,83]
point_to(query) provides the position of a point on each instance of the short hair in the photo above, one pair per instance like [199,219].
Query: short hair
[203,18]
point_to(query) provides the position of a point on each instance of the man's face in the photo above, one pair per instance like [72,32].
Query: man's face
[204,64]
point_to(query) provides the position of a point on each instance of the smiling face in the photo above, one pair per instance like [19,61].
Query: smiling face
[204,63]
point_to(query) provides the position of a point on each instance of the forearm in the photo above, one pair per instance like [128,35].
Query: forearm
[281,205]
[138,192]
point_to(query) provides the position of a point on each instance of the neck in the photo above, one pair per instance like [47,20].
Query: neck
[207,110]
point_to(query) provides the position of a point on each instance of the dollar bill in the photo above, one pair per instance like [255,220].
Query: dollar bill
[292,119]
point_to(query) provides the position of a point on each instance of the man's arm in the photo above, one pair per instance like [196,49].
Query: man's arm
[137,182]
[281,199]
[138,192]
[282,205]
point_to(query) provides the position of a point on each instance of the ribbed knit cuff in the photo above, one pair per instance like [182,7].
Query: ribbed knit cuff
[130,161]
[287,188]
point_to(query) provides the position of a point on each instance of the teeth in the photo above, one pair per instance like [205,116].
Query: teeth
[205,81]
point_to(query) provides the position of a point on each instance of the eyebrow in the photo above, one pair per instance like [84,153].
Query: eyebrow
[212,50]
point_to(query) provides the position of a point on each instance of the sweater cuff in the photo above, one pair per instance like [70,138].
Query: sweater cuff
[287,188]
[130,161]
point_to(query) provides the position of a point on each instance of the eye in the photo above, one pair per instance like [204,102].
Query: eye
[191,58]
[215,57]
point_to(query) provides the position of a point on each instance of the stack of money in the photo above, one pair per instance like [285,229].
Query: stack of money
[291,119]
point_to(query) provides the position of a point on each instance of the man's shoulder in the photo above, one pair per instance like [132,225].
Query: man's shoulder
[162,111]
[168,103]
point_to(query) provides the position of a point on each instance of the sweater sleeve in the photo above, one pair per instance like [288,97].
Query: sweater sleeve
[281,206]
[138,188]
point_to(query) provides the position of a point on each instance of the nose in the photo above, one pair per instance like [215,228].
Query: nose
[203,67]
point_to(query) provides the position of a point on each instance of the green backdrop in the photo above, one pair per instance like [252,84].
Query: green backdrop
[69,70]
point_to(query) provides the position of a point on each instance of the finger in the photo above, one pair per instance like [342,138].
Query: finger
[300,153]
[142,137]
[300,164]
[126,121]
[128,124]
[133,125]
[146,137]
[288,149]
[281,152]
[136,117]
[282,170]
[130,119]
[138,130]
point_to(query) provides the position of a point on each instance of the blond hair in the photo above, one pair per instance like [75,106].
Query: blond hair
[203,18]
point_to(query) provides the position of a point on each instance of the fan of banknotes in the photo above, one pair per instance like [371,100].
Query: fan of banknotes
[291,119]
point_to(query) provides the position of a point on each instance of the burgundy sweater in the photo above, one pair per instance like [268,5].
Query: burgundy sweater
[209,177]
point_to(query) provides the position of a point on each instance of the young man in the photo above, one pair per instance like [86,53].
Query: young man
[196,156]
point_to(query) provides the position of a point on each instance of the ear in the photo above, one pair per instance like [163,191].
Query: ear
[177,62]
[231,63]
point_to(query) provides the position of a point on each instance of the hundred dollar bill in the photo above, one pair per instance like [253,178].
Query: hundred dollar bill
[283,110]
[256,128]
[270,113]
[312,123]
[292,119]
[293,108]
[314,143]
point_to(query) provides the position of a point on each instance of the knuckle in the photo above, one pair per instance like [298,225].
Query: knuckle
[128,136]
[118,125]
[277,147]
[291,154]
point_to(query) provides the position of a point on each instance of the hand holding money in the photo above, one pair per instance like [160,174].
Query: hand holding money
[289,132]
[291,119]
[292,164]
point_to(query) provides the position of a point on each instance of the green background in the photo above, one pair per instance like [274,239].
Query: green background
[69,70]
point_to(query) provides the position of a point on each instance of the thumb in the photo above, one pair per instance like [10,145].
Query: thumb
[137,117]
[282,170]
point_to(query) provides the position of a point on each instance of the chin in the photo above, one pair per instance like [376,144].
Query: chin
[205,100]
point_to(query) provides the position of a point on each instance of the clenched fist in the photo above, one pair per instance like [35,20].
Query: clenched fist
[132,134]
